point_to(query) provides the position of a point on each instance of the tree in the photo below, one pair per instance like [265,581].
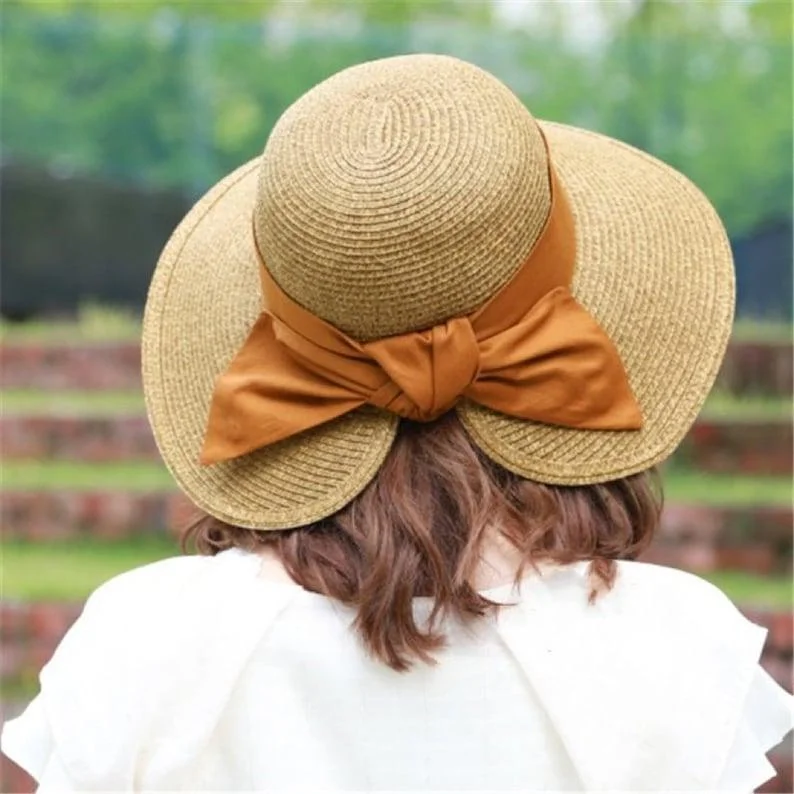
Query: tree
[179,93]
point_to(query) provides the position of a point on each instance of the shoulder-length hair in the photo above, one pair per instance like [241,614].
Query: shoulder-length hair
[418,529]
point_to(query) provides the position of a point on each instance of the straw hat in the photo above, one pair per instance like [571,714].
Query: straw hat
[394,196]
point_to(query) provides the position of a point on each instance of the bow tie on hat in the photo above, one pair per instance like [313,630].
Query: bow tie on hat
[531,351]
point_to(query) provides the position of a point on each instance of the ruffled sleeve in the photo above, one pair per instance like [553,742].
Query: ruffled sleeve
[766,718]
[28,741]
[133,692]
[655,687]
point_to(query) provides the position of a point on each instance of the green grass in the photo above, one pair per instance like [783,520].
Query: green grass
[93,324]
[747,589]
[69,571]
[80,403]
[762,331]
[695,487]
[721,405]
[59,475]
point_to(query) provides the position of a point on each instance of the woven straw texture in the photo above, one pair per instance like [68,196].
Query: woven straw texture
[394,196]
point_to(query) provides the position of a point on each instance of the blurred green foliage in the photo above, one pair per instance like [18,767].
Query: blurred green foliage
[181,93]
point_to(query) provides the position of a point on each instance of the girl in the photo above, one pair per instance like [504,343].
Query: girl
[416,364]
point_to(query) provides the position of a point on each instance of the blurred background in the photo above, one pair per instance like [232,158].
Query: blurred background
[116,116]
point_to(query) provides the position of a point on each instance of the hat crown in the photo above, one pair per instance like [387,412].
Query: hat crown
[400,193]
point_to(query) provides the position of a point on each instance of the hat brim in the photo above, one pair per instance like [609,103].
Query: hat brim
[653,266]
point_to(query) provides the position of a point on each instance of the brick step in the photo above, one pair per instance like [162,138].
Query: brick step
[101,515]
[758,368]
[733,446]
[703,538]
[749,447]
[83,366]
[99,439]
[696,537]
[749,368]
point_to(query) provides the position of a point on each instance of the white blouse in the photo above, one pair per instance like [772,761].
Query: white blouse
[200,674]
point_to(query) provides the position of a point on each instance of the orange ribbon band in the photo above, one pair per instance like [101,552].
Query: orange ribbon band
[531,351]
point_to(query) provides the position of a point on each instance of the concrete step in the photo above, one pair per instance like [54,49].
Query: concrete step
[749,368]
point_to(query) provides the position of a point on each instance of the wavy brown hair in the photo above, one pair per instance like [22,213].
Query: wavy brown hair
[418,530]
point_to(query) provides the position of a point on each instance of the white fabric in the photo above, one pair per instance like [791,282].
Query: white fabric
[198,674]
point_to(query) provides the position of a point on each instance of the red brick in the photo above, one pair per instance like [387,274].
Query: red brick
[14,622]
[33,515]
[13,779]
[180,514]
[751,558]
[758,368]
[114,365]
[781,633]
[695,557]
[49,622]
[748,447]
[100,439]
[782,759]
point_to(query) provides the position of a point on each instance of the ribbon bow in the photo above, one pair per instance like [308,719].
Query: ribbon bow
[531,351]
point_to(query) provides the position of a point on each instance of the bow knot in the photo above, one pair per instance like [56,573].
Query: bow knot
[428,371]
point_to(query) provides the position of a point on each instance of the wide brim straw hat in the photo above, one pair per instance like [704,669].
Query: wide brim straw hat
[398,194]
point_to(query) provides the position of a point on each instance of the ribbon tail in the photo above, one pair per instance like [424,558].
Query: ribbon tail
[265,396]
[557,366]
